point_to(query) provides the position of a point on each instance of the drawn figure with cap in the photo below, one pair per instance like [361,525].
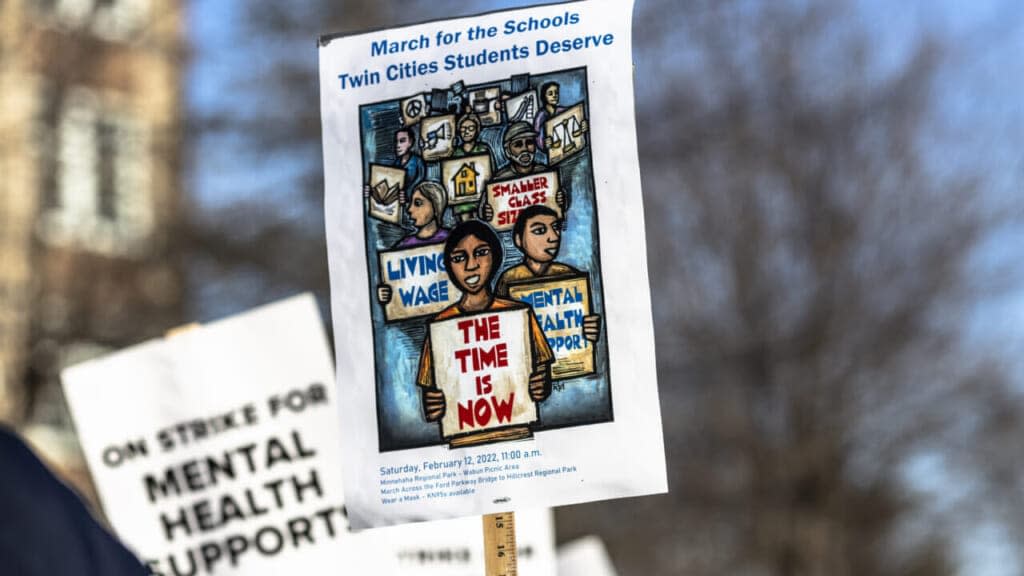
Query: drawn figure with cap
[519,143]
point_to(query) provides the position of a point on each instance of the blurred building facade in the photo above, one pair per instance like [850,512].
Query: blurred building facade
[90,101]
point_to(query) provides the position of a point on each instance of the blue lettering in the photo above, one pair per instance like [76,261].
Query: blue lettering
[420,295]
[392,273]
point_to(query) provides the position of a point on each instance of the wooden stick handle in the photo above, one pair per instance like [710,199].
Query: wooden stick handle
[500,544]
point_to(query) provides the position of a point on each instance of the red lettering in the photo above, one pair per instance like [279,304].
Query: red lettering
[482,411]
[503,410]
[482,357]
[480,329]
[465,325]
[466,415]
[483,384]
[507,217]
[478,413]
[461,356]
[493,357]
[493,327]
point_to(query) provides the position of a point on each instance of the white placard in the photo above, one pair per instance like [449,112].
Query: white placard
[509,197]
[216,451]
[586,423]
[585,557]
[482,364]
[455,547]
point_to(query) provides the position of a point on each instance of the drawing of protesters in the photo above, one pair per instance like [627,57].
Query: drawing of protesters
[538,235]
[405,144]
[549,95]
[520,147]
[469,134]
[426,210]
[521,151]
[472,257]
[408,160]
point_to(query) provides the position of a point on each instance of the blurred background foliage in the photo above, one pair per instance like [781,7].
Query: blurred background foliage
[834,209]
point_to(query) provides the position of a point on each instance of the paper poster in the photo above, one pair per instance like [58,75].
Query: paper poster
[436,394]
[385,188]
[455,547]
[466,178]
[563,311]
[507,198]
[585,557]
[414,282]
[217,451]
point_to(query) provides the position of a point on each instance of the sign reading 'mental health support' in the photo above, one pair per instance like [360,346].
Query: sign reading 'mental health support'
[216,451]
[494,341]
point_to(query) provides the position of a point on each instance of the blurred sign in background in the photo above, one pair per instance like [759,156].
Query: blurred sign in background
[834,213]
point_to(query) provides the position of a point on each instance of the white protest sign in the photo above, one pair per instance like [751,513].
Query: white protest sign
[216,451]
[455,548]
[564,67]
[509,197]
[585,557]
[419,284]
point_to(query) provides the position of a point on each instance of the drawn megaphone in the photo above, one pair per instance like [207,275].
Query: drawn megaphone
[439,133]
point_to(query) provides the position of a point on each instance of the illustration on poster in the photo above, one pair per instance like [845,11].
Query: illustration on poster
[470,346]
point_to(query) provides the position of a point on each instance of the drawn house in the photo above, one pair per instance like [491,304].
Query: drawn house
[464,181]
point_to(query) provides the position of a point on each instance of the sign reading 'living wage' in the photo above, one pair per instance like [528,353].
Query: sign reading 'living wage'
[216,451]
[512,356]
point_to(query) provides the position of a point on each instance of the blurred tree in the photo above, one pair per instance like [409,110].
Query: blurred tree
[808,261]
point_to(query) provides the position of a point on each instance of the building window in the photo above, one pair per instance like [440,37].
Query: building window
[114,20]
[93,173]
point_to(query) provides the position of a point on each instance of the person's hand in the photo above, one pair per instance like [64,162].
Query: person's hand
[592,327]
[433,404]
[584,126]
[561,199]
[366,191]
[540,384]
[401,198]
[384,294]
[486,212]
[549,143]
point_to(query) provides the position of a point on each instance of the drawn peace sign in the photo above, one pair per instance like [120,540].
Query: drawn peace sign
[413,108]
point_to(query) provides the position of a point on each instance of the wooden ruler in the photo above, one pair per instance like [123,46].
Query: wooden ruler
[500,544]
